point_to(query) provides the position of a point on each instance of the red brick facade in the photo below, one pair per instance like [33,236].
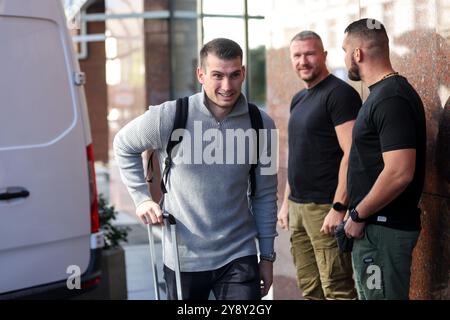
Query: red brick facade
[96,91]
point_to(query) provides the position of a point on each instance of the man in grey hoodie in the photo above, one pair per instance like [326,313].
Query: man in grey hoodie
[207,189]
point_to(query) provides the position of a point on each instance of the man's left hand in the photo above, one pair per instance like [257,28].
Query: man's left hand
[266,273]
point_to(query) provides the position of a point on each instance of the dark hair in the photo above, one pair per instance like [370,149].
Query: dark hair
[372,32]
[222,48]
[307,34]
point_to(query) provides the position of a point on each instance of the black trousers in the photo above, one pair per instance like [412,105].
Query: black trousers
[237,280]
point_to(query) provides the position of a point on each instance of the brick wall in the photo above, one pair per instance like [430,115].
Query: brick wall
[96,91]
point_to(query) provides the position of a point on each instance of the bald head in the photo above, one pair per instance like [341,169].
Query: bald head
[370,35]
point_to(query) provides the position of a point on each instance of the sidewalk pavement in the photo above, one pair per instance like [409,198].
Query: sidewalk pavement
[139,271]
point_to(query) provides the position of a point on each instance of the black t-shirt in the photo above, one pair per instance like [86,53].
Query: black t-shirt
[314,151]
[392,118]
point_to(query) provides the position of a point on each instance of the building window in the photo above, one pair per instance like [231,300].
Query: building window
[187,25]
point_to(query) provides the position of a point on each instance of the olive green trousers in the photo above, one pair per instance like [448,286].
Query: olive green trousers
[382,263]
[323,272]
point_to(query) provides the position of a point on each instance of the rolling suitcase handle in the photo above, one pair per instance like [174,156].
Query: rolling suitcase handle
[168,218]
[153,260]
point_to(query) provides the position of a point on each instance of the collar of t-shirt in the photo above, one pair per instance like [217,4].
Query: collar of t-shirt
[321,83]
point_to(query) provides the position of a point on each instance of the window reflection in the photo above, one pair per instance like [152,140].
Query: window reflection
[184,56]
[256,73]
[125,70]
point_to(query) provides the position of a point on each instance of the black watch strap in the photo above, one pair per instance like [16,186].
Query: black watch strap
[354,215]
[339,207]
[271,257]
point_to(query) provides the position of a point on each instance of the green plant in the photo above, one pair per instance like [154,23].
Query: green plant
[114,235]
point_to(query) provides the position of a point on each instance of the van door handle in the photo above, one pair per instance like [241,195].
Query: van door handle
[13,193]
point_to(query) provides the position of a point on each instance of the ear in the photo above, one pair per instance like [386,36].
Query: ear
[325,54]
[243,72]
[358,54]
[200,75]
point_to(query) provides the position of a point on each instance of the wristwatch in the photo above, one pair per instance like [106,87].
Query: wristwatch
[355,216]
[271,257]
[339,207]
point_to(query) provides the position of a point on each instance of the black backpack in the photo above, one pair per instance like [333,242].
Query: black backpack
[181,115]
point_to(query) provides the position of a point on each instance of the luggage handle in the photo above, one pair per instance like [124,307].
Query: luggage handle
[169,218]
[169,223]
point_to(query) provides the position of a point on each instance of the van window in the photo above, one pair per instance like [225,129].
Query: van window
[36,106]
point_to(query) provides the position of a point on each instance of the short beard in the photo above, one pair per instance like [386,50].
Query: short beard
[313,77]
[353,72]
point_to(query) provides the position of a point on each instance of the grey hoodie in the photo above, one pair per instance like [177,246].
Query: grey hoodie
[216,221]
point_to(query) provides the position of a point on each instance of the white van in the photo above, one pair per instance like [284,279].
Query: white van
[49,227]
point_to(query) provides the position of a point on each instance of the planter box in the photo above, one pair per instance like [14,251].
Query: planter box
[113,284]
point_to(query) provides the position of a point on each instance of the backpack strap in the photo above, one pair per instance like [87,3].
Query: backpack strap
[181,115]
[257,124]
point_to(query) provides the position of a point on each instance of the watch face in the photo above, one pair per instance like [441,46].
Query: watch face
[355,217]
[339,207]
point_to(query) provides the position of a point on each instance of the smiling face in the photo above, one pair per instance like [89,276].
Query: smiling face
[222,80]
[308,60]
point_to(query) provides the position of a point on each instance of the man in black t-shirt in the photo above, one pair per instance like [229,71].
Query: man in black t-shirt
[386,167]
[320,127]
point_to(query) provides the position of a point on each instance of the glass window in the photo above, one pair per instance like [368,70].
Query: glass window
[256,72]
[123,6]
[231,28]
[184,57]
[185,47]
[257,7]
[185,5]
[223,7]
[125,67]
